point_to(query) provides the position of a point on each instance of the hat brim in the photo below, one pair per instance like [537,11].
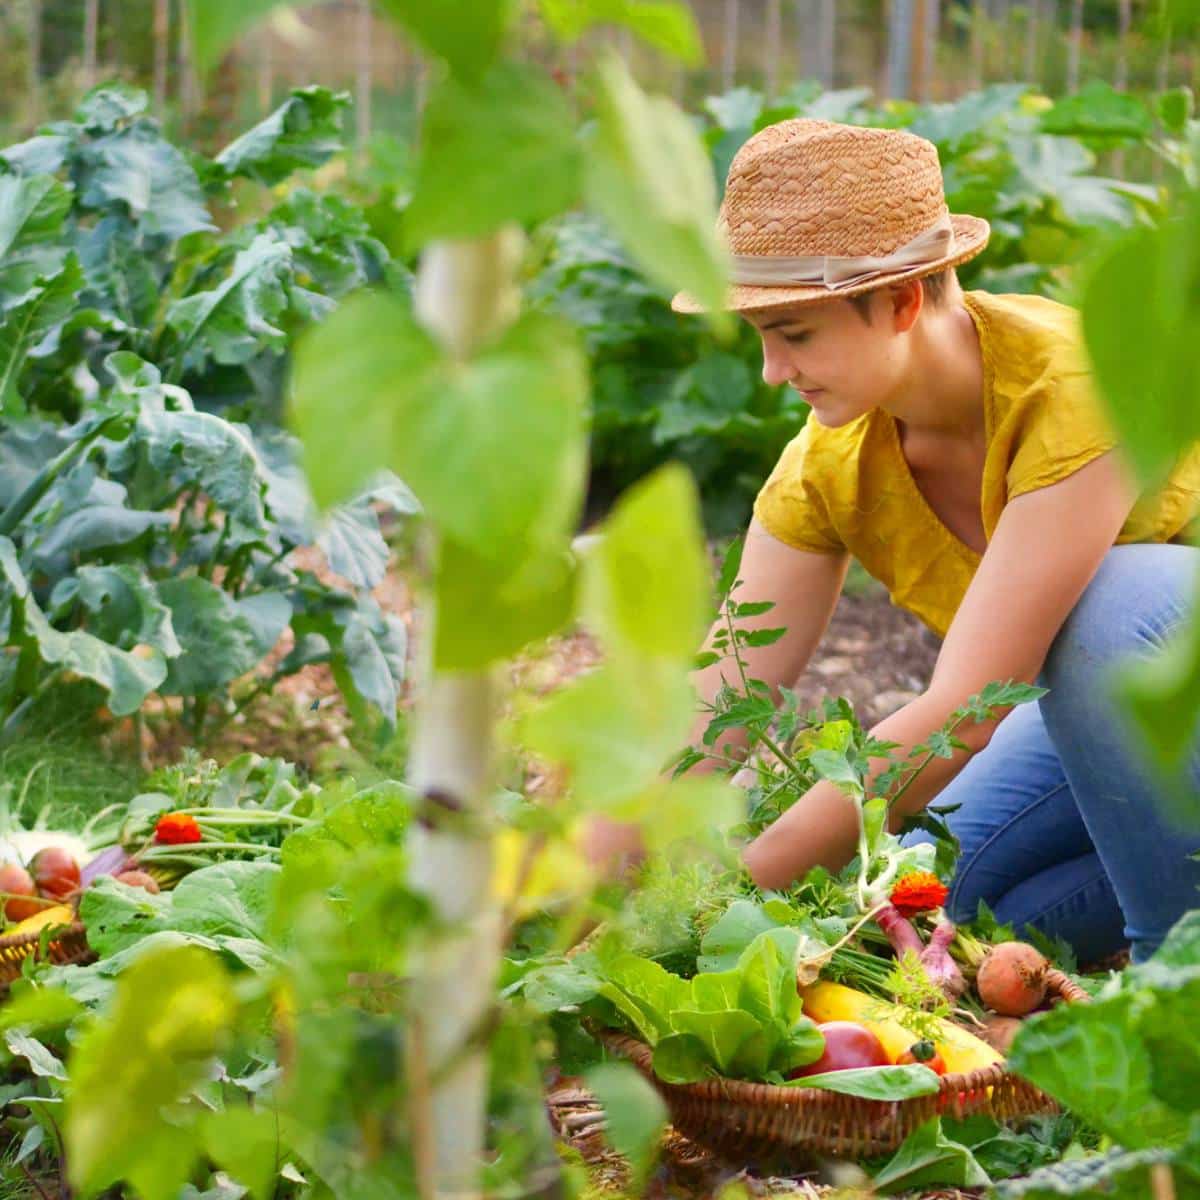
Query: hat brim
[970,237]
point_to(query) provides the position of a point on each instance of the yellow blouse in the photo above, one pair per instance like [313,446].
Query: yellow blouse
[851,489]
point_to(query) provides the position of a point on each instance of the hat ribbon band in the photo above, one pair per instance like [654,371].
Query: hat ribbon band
[841,271]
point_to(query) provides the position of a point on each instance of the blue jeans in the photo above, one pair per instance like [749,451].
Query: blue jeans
[1060,821]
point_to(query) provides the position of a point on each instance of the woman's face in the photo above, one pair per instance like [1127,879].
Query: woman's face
[842,365]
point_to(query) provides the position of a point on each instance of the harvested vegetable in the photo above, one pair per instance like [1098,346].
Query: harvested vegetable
[939,966]
[55,872]
[960,1050]
[935,958]
[999,1032]
[57,914]
[926,1053]
[1012,979]
[17,883]
[140,879]
[848,1046]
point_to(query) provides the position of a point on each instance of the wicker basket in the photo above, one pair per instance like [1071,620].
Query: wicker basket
[744,1121]
[69,946]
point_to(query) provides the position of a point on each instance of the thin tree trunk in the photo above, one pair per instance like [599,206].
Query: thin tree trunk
[34,75]
[91,36]
[900,44]
[362,101]
[1033,18]
[729,58]
[827,41]
[450,769]
[1074,46]
[978,45]
[162,50]
[772,35]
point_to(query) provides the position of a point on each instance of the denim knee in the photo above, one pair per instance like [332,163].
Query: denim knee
[1140,595]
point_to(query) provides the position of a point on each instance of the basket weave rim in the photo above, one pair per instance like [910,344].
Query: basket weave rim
[14,941]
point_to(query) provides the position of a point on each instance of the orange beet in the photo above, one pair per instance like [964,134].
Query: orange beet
[1012,979]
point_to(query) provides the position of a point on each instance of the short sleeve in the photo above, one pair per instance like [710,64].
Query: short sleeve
[790,505]
[1062,429]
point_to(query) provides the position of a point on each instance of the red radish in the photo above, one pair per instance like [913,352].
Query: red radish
[847,1045]
[1012,979]
[900,931]
[935,958]
[17,881]
[142,879]
[55,872]
[938,964]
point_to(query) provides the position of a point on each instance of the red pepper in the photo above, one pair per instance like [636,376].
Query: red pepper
[177,829]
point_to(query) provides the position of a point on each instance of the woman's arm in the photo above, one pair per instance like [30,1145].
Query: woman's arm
[1047,546]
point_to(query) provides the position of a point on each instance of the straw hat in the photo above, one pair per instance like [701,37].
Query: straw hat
[814,210]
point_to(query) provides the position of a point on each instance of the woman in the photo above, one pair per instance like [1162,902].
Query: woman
[956,449]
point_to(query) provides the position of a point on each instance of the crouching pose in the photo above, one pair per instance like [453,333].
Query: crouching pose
[956,448]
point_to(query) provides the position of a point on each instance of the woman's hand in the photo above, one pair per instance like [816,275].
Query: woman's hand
[613,848]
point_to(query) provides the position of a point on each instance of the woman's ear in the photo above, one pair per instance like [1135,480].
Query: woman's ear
[907,299]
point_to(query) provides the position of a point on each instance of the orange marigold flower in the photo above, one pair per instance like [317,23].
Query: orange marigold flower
[177,829]
[918,891]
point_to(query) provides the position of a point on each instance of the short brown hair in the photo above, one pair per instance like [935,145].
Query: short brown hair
[936,287]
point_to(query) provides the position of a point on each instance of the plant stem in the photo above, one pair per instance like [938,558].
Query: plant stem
[762,734]
[949,729]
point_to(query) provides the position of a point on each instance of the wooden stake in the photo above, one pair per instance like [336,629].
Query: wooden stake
[265,71]
[1033,19]
[34,75]
[900,47]
[1074,46]
[162,47]
[91,35]
[1124,21]
[187,74]
[729,57]
[1121,82]
[919,87]
[978,18]
[772,36]
[362,105]
[827,40]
